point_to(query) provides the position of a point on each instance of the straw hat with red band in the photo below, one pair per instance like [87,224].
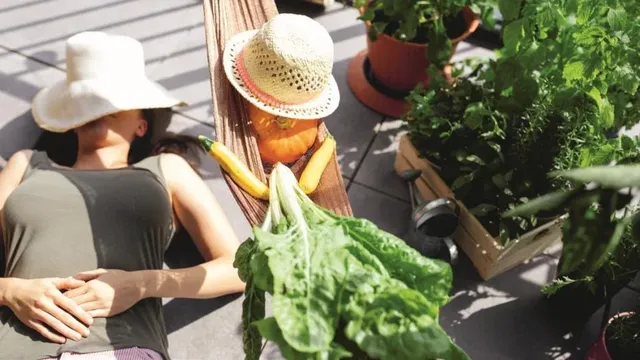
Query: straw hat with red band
[284,68]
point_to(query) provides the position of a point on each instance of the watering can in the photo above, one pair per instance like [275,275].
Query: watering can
[433,223]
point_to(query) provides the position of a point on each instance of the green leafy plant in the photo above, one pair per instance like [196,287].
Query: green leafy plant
[553,100]
[435,22]
[601,237]
[623,337]
[340,287]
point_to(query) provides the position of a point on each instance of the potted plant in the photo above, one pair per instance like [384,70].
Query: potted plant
[603,223]
[405,36]
[494,133]
[601,252]
[619,340]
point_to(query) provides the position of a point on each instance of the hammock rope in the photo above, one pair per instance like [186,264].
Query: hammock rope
[222,20]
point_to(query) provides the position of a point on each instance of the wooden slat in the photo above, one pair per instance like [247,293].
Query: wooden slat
[222,20]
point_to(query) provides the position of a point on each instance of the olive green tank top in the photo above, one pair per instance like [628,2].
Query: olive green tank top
[61,221]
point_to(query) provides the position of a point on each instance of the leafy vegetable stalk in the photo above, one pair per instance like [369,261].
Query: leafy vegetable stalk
[340,287]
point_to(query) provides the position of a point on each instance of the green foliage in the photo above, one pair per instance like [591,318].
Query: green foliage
[558,284]
[435,22]
[623,337]
[602,225]
[339,286]
[562,85]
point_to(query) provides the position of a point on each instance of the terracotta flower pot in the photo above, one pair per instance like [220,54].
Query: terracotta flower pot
[401,65]
[599,349]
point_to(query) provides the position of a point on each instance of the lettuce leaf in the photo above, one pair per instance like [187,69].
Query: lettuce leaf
[308,269]
[271,331]
[253,305]
[431,277]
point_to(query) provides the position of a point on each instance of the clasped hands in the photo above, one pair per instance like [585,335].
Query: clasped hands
[61,309]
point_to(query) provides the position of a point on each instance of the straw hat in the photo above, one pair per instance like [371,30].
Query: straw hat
[284,68]
[105,75]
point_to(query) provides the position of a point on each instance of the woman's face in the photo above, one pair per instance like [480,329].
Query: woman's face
[113,129]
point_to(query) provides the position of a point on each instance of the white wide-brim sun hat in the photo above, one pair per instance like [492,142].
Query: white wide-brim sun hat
[284,68]
[105,75]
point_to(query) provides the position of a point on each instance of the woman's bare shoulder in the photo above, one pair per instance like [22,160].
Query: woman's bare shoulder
[11,175]
[177,170]
[18,162]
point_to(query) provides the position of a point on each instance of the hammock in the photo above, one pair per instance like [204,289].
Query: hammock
[224,18]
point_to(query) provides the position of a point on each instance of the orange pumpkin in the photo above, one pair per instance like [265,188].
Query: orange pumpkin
[282,139]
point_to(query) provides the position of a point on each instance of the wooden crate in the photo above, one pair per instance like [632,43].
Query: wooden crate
[486,253]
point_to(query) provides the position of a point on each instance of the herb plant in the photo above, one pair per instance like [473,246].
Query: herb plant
[623,337]
[554,99]
[435,22]
[340,287]
[601,237]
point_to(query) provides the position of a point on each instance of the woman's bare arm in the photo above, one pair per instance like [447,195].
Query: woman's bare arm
[10,178]
[12,174]
[200,214]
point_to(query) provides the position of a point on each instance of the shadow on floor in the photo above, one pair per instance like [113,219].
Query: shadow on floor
[178,313]
[506,317]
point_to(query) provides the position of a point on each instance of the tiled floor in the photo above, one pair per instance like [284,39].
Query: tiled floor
[500,319]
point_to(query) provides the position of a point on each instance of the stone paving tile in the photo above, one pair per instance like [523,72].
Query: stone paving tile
[185,72]
[41,29]
[353,124]
[505,318]
[20,80]
[390,214]
[377,169]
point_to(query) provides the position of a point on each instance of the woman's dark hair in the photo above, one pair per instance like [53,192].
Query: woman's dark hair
[62,148]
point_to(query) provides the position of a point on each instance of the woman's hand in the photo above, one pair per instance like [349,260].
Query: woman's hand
[106,292]
[40,304]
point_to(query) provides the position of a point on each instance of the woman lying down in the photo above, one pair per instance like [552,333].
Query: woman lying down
[84,245]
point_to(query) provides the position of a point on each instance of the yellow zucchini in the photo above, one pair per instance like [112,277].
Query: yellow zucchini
[312,173]
[238,171]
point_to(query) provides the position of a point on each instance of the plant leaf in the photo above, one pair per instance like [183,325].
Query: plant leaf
[617,19]
[509,9]
[609,177]
[482,209]
[628,79]
[525,91]
[474,115]
[551,201]
[307,271]
[242,259]
[557,284]
[431,277]
[253,309]
[628,144]
[271,331]
[406,333]
[513,35]
[573,71]
[440,46]
[607,114]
